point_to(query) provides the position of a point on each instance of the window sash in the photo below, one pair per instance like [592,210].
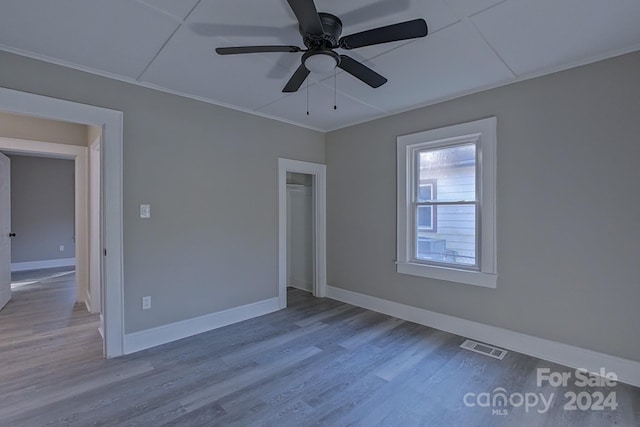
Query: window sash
[415,203]
[415,237]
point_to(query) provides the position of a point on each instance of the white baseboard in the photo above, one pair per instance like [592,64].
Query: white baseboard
[627,371]
[142,340]
[48,263]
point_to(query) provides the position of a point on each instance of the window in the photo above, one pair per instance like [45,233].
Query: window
[446,203]
[454,166]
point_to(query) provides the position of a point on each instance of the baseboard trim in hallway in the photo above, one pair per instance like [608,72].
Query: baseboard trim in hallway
[47,263]
[142,340]
[627,371]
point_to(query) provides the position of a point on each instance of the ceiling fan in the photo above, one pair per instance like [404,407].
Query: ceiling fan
[321,35]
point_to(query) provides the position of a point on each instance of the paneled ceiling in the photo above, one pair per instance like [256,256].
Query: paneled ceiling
[169,45]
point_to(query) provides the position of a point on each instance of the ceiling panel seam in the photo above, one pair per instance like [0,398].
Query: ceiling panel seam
[359,101]
[180,22]
[487,8]
[493,49]
[166,13]
[158,52]
[192,9]
[159,10]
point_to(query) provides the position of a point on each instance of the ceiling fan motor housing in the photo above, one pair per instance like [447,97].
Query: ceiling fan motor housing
[332,27]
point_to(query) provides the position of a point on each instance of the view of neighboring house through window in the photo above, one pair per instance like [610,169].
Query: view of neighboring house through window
[446,203]
[453,168]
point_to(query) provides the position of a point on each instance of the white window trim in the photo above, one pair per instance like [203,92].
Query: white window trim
[487,274]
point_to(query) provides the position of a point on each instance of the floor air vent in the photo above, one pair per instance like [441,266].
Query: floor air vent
[487,350]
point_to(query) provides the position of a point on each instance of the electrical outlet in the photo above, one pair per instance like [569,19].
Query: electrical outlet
[61,248]
[146,303]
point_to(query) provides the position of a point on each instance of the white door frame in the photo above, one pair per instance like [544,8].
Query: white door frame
[319,197]
[5,230]
[111,123]
[94,223]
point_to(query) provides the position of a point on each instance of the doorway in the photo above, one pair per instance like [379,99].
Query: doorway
[5,231]
[110,121]
[300,218]
[40,215]
[77,155]
[308,267]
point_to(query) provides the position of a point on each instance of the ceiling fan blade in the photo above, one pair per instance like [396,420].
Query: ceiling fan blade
[405,30]
[307,15]
[361,71]
[255,49]
[297,79]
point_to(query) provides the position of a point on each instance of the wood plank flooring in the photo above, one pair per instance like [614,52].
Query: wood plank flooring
[318,362]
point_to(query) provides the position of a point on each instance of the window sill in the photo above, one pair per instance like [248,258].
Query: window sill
[477,278]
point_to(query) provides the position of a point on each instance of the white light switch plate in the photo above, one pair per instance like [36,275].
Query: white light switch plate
[146,303]
[145,211]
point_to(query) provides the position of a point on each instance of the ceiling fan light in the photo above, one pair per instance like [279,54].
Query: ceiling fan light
[321,63]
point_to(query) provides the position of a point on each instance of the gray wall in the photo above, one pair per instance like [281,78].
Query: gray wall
[567,207]
[42,208]
[210,175]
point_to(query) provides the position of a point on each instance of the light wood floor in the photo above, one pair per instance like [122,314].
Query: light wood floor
[319,362]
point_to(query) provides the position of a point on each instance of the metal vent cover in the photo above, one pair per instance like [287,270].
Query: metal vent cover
[486,349]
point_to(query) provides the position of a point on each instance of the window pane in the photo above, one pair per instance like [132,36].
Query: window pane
[425,217]
[454,169]
[455,239]
[425,192]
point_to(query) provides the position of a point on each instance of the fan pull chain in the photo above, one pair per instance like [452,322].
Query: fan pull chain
[307,97]
[335,89]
